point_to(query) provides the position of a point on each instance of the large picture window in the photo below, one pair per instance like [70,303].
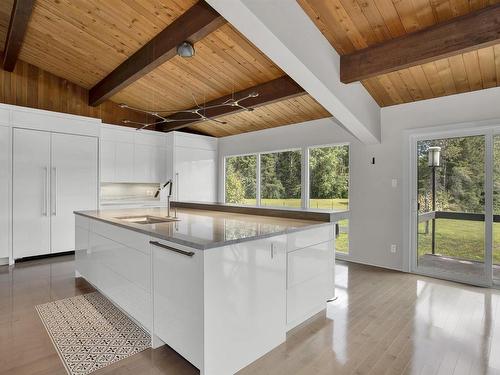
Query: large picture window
[280,178]
[281,174]
[241,179]
[329,177]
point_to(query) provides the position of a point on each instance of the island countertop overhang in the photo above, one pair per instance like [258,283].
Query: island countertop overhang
[204,229]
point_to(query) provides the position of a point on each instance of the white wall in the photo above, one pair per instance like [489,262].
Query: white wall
[376,219]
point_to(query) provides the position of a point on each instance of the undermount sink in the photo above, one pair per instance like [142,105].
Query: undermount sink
[146,219]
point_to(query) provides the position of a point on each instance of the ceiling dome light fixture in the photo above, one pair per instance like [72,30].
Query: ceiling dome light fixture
[185,49]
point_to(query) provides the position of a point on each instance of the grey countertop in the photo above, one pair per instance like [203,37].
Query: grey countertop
[204,229]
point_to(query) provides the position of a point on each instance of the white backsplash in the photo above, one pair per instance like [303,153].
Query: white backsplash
[113,192]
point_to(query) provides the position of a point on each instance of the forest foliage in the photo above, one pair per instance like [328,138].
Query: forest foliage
[281,175]
[459,178]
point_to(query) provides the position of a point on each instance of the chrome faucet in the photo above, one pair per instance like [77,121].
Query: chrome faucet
[169,183]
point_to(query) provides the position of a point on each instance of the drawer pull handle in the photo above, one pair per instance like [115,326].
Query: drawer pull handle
[187,253]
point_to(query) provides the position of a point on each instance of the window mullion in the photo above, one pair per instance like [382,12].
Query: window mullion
[257,189]
[305,178]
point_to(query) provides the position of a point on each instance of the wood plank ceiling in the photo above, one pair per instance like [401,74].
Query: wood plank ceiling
[84,40]
[352,25]
[5,11]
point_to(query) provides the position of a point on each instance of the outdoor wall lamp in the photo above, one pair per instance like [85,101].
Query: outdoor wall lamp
[433,154]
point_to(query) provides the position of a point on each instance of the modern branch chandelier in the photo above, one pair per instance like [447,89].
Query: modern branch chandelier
[199,112]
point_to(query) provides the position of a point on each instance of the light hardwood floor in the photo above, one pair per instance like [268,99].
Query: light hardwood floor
[383,322]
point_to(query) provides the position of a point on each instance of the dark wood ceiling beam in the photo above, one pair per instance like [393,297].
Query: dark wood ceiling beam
[269,92]
[19,18]
[195,24]
[462,34]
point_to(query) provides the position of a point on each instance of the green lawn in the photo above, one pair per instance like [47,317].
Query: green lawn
[459,238]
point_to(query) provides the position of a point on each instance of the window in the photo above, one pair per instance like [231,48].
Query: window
[241,179]
[281,174]
[280,182]
[329,177]
[342,236]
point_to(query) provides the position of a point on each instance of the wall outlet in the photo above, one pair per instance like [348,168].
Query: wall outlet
[394,248]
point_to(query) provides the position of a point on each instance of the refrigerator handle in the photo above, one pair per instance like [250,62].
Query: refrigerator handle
[45,191]
[54,191]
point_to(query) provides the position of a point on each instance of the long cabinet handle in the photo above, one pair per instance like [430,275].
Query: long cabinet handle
[177,187]
[45,190]
[187,253]
[54,191]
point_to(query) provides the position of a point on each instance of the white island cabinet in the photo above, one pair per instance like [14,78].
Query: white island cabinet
[222,297]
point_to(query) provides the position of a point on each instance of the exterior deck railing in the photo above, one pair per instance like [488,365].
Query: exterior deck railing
[427,216]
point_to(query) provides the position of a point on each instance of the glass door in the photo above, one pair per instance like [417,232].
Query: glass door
[451,221]
[496,210]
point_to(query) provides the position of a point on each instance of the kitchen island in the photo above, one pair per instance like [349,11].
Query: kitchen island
[220,288]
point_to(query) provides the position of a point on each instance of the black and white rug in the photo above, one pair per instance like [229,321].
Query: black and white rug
[89,332]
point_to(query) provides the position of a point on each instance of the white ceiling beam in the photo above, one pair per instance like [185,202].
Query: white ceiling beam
[282,30]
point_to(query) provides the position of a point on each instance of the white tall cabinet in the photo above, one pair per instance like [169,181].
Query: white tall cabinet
[4,193]
[74,182]
[54,174]
[194,166]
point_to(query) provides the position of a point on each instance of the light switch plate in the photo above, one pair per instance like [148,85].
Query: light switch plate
[394,248]
[394,182]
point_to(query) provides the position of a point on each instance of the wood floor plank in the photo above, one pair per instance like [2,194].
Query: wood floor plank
[383,322]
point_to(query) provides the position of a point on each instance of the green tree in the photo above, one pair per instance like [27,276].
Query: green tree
[329,172]
[271,186]
[235,192]
[459,178]
[244,167]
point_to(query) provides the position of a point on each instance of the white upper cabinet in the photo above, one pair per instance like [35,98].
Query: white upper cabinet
[150,157]
[4,191]
[124,162]
[131,156]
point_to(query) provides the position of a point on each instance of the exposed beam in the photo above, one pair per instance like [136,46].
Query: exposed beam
[19,18]
[196,23]
[269,92]
[462,34]
[285,34]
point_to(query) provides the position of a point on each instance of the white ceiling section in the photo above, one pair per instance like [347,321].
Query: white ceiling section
[282,31]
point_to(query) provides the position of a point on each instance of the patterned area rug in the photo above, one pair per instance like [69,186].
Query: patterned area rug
[89,332]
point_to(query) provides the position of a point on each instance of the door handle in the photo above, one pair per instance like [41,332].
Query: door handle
[45,191]
[54,191]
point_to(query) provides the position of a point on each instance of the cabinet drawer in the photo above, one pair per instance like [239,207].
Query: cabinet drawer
[308,298]
[308,237]
[309,262]
[131,264]
[126,237]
